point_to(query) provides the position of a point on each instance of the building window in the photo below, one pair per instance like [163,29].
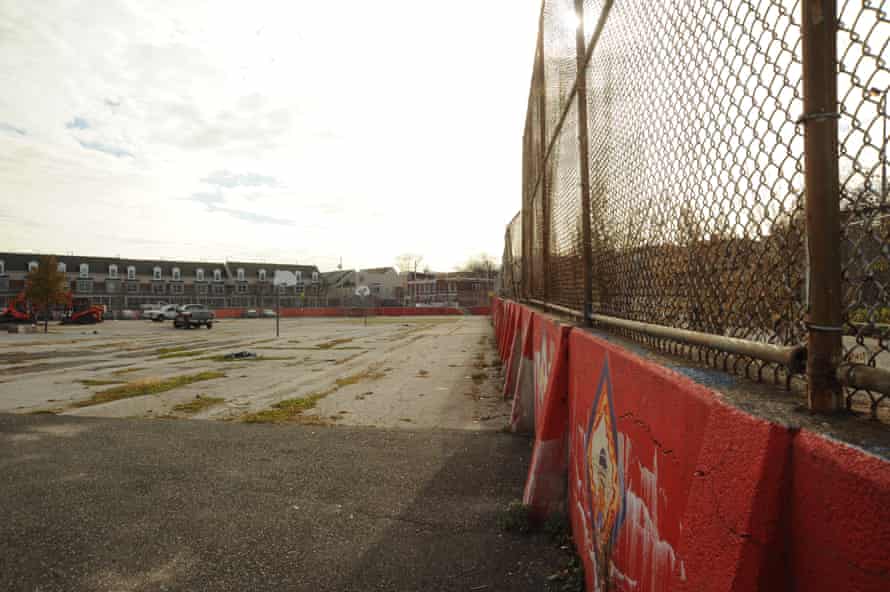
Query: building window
[112,271]
[33,265]
[176,288]
[111,287]
[299,275]
[157,288]
[202,288]
[85,285]
[133,288]
[219,289]
[177,275]
[2,267]
[4,283]
[61,267]
[156,273]
[262,274]
[315,276]
[240,273]
[217,275]
[242,288]
[131,273]
[199,275]
[84,270]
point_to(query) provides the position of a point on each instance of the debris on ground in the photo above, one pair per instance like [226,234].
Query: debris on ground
[241,355]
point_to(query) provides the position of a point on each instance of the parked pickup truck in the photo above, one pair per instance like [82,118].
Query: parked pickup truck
[164,313]
[193,315]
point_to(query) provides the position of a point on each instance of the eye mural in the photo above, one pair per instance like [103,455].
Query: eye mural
[605,477]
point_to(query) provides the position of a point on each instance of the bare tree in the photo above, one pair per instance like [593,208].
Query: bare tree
[47,286]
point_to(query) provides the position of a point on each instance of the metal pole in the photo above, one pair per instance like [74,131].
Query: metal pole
[884,147]
[277,310]
[819,33]
[542,162]
[583,146]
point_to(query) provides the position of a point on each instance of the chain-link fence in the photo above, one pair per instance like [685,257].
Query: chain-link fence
[665,178]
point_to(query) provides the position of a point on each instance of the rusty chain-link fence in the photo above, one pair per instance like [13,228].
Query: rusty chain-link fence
[665,183]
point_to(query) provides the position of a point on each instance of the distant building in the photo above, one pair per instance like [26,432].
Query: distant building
[449,289]
[384,284]
[122,284]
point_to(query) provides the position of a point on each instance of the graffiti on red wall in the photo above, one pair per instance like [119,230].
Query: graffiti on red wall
[618,496]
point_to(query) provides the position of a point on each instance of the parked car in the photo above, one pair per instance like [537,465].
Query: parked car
[165,313]
[193,315]
[269,313]
[250,313]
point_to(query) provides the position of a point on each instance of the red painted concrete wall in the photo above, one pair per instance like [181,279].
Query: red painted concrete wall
[384,311]
[670,488]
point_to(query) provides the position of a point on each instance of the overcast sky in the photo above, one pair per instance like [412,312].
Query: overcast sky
[283,131]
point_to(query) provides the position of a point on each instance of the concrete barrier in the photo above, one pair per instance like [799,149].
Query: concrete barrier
[380,311]
[672,488]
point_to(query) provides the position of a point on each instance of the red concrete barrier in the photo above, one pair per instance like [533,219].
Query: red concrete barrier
[671,488]
[381,311]
[522,367]
[545,487]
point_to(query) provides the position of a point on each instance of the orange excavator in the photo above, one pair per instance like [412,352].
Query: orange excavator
[18,311]
[79,311]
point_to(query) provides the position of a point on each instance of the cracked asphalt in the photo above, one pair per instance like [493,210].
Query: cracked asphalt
[118,504]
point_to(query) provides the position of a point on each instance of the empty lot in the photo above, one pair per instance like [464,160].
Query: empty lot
[418,372]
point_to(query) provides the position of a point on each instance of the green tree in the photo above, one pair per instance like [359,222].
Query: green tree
[46,287]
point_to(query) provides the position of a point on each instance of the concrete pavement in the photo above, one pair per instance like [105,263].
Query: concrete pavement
[113,504]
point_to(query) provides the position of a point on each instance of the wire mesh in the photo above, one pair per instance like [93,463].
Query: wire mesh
[696,161]
[863,84]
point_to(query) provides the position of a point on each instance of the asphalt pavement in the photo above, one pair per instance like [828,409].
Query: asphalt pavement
[117,504]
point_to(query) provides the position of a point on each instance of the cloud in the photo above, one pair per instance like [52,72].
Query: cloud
[5,127]
[78,123]
[213,200]
[100,147]
[208,199]
[230,180]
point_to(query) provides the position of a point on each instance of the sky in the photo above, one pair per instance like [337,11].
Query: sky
[301,131]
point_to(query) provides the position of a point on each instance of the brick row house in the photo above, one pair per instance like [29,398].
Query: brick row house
[132,284]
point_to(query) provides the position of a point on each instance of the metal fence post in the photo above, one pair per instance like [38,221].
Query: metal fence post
[542,164]
[822,190]
[583,147]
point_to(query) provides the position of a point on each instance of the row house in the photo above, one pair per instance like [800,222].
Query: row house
[132,284]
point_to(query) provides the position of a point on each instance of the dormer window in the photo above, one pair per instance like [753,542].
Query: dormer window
[199,275]
[217,275]
[61,267]
[131,273]
[156,273]
[177,275]
[84,270]
[314,276]
[2,267]
[299,275]
[112,271]
[262,274]
[32,266]
[240,274]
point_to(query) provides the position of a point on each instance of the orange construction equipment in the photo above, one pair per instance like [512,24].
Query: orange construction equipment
[80,311]
[18,311]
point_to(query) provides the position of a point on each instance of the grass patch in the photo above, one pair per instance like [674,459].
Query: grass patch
[170,350]
[334,343]
[199,403]
[148,386]
[292,409]
[126,371]
[222,358]
[43,412]
[182,354]
[100,381]
[516,517]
